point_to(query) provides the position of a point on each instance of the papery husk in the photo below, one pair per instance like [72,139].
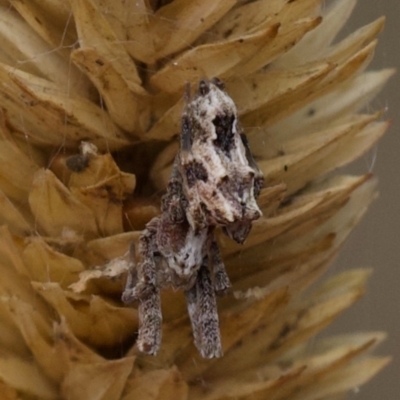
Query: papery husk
[90,90]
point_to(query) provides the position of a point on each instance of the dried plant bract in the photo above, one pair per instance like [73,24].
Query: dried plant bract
[117,180]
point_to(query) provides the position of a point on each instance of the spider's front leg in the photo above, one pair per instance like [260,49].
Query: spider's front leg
[147,293]
[202,308]
[172,202]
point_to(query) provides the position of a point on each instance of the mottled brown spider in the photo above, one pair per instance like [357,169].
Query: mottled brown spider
[215,182]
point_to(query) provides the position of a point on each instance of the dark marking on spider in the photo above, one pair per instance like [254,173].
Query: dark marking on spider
[195,171]
[224,130]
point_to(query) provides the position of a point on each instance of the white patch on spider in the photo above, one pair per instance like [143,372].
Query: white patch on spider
[190,256]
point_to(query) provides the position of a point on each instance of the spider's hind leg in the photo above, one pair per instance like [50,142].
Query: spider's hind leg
[202,307]
[147,292]
[150,321]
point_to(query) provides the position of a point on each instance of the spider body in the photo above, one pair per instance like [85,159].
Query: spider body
[214,182]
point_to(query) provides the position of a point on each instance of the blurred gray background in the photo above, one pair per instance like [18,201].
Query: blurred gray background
[376,241]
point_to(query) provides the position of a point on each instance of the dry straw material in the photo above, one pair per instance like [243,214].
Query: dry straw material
[91,98]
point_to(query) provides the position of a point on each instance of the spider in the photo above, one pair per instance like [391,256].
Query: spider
[214,182]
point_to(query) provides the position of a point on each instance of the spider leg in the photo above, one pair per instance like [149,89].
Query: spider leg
[172,201]
[221,278]
[202,307]
[147,292]
[150,320]
[192,306]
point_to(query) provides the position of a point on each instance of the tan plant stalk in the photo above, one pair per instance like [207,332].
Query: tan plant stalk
[91,98]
